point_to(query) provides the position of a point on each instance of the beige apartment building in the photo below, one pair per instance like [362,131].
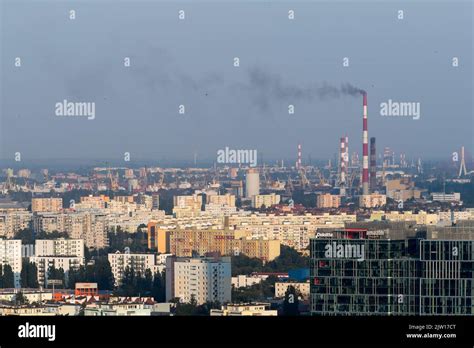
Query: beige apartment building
[46,204]
[93,202]
[328,201]
[226,200]
[421,218]
[373,200]
[259,201]
[91,226]
[187,206]
[291,230]
[185,242]
[12,221]
[402,189]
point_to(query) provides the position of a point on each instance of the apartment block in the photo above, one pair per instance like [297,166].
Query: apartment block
[67,263]
[186,242]
[244,309]
[205,279]
[244,281]
[420,218]
[301,287]
[46,204]
[259,201]
[10,254]
[91,226]
[12,221]
[59,247]
[138,262]
[291,230]
[187,206]
[373,200]
[328,201]
[226,200]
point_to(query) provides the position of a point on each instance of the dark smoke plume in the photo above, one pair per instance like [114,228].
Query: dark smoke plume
[266,87]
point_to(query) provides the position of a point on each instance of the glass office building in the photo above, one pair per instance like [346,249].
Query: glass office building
[362,272]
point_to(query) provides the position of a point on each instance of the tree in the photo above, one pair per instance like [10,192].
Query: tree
[128,285]
[205,308]
[100,272]
[290,305]
[158,290]
[148,281]
[288,259]
[8,278]
[28,275]
[56,274]
[26,235]
[103,276]
[21,299]
[242,264]
[190,308]
[119,240]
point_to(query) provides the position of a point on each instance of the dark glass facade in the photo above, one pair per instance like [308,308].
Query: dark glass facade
[395,277]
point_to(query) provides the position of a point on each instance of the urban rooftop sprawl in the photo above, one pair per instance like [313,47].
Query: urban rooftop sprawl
[385,236]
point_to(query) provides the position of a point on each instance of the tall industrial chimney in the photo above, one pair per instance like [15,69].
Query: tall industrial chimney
[373,165]
[298,161]
[343,160]
[365,148]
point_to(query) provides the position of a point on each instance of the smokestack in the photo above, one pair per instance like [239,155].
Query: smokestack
[373,165]
[298,162]
[342,166]
[365,148]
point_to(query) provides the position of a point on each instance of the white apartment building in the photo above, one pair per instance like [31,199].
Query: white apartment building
[446,197]
[59,247]
[421,218]
[282,287]
[139,262]
[244,281]
[259,201]
[67,263]
[10,254]
[219,209]
[244,309]
[227,199]
[207,279]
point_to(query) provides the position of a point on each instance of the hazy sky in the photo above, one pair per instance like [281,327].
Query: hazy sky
[190,62]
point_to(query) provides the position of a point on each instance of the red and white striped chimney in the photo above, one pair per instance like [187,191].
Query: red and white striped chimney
[365,148]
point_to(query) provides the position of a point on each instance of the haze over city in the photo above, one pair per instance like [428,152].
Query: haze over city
[191,63]
[308,159]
